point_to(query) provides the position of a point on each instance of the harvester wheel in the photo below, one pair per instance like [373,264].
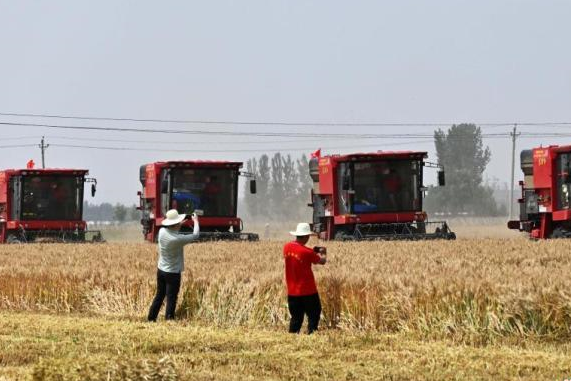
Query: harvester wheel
[13,239]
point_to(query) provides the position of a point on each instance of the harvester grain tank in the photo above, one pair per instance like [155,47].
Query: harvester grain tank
[207,188]
[372,196]
[545,203]
[44,205]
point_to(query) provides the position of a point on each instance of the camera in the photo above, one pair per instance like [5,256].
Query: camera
[320,249]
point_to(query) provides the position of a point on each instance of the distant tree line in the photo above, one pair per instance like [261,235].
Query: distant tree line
[283,188]
[108,212]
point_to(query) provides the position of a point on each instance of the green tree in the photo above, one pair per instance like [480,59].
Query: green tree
[304,187]
[134,213]
[461,152]
[119,213]
[277,192]
[250,200]
[290,186]
[263,183]
[283,186]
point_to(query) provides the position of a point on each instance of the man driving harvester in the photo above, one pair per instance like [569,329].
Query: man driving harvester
[302,296]
[171,262]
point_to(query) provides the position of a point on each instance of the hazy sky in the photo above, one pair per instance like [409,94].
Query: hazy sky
[312,61]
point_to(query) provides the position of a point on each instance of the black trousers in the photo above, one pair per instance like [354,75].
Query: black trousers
[168,284]
[299,306]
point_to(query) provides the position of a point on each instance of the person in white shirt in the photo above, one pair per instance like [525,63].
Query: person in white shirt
[171,262]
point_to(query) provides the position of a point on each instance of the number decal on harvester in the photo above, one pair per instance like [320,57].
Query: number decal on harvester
[541,156]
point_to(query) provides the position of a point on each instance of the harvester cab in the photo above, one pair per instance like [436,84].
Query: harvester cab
[207,188]
[373,196]
[44,205]
[545,203]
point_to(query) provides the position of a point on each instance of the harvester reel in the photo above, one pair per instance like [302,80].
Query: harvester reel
[397,231]
[228,236]
[55,236]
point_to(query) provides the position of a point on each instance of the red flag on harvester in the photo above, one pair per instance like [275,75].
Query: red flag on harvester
[30,164]
[316,154]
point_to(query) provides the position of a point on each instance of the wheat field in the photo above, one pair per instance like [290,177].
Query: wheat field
[480,293]
[469,289]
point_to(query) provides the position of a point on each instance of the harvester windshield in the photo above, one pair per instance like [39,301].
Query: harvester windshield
[210,190]
[48,198]
[380,186]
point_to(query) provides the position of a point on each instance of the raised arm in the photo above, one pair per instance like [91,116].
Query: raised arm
[187,238]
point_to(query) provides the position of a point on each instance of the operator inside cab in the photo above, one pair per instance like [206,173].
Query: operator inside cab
[185,198]
[392,184]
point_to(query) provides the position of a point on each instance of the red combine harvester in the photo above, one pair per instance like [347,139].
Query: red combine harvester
[545,206]
[208,188]
[372,196]
[44,205]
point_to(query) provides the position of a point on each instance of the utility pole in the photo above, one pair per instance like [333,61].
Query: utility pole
[43,147]
[514,136]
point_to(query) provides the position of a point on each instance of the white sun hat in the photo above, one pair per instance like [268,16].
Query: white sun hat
[302,229]
[173,218]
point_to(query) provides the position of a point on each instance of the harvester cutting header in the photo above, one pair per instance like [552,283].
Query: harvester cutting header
[368,196]
[44,204]
[207,188]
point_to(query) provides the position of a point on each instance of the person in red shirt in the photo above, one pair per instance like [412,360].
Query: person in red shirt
[393,186]
[302,296]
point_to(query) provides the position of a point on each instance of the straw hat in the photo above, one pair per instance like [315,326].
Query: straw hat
[302,229]
[173,218]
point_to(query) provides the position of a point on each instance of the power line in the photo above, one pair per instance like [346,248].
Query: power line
[275,123]
[192,141]
[546,134]
[234,142]
[205,132]
[19,137]
[275,149]
[236,122]
[18,145]
[354,137]
[426,138]
[234,133]
[321,137]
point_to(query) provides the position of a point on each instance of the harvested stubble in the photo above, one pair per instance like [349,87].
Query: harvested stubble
[71,348]
[471,290]
[92,368]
